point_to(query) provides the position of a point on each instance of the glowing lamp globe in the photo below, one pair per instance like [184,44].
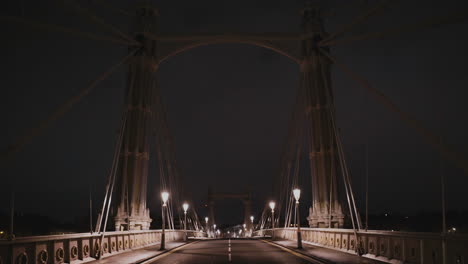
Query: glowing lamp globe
[272,205]
[165,197]
[297,194]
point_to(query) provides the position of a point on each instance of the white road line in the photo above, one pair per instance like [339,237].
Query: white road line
[229,250]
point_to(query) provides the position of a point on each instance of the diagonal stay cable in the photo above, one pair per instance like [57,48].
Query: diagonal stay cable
[59,112]
[52,27]
[430,137]
[358,20]
[99,20]
[451,18]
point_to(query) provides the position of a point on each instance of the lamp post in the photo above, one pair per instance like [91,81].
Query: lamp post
[206,225]
[252,225]
[272,207]
[165,197]
[185,206]
[297,195]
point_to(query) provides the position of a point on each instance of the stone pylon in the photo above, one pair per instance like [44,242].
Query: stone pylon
[132,211]
[319,110]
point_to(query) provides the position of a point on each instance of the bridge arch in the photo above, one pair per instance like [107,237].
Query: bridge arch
[246,199]
[288,53]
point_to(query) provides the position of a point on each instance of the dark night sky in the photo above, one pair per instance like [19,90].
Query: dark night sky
[229,105]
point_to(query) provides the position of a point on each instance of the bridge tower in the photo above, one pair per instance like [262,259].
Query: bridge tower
[319,106]
[132,211]
[246,199]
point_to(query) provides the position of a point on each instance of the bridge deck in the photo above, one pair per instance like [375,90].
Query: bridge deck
[235,251]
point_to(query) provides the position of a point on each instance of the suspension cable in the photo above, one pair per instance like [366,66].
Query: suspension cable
[59,112]
[358,20]
[451,18]
[99,21]
[75,32]
[426,134]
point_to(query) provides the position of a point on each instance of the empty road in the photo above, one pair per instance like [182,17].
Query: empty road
[230,251]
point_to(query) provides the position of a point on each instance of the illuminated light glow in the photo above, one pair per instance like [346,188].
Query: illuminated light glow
[165,197]
[185,206]
[297,194]
[214,226]
[251,218]
[206,219]
[244,225]
[272,205]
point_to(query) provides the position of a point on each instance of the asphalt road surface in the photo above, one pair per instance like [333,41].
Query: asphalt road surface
[230,251]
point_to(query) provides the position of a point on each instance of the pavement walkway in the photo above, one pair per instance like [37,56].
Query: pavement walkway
[325,254]
[137,255]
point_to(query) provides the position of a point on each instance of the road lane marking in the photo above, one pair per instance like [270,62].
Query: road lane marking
[229,250]
[165,254]
[302,256]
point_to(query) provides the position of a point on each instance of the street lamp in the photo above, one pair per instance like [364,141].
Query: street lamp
[165,197]
[297,195]
[272,207]
[185,206]
[252,228]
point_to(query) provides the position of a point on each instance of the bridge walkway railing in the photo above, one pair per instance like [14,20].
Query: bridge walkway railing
[82,247]
[386,246]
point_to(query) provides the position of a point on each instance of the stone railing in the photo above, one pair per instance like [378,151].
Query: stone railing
[387,246]
[81,247]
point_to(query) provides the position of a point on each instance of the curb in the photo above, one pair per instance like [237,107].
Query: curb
[315,258]
[141,261]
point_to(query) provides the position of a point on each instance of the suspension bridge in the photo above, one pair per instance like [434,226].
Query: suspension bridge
[335,232]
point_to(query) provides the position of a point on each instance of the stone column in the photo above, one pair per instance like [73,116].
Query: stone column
[319,108]
[132,211]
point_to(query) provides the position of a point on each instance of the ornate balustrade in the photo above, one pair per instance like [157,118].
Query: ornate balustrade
[81,247]
[387,246]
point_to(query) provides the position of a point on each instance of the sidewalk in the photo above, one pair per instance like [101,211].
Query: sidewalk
[328,255]
[137,255]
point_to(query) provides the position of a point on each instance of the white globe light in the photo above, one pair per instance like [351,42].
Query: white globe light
[165,196]
[206,219]
[297,194]
[272,205]
[185,206]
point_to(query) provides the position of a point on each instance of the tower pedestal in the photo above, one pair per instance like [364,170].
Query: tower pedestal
[139,222]
[321,219]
